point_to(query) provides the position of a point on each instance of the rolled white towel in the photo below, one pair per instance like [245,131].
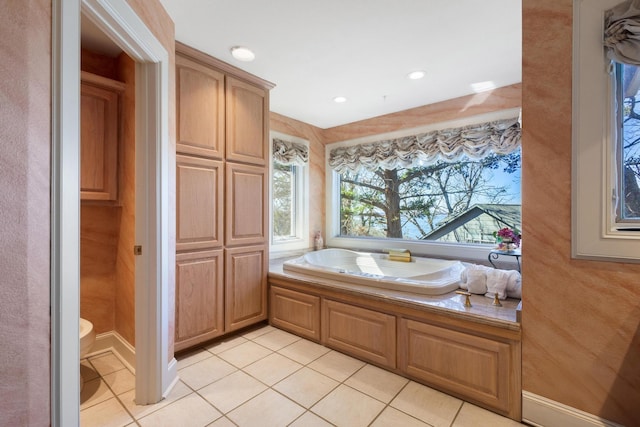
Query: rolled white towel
[514,284]
[473,278]
[497,283]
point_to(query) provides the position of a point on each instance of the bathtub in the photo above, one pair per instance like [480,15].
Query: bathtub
[422,275]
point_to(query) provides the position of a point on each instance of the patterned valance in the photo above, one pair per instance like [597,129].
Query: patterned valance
[290,153]
[474,141]
[622,32]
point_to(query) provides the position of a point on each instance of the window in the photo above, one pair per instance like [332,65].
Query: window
[604,226]
[285,187]
[628,146]
[289,185]
[404,191]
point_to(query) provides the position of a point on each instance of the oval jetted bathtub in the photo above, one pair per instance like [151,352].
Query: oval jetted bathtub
[426,276]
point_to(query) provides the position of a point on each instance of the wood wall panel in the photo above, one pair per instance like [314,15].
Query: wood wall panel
[245,286]
[246,204]
[247,124]
[99,137]
[580,319]
[199,297]
[295,311]
[368,334]
[200,95]
[472,366]
[199,186]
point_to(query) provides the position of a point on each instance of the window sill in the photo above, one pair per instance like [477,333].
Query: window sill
[477,254]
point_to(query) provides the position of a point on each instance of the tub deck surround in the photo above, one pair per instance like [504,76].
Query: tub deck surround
[473,353]
[450,304]
[426,276]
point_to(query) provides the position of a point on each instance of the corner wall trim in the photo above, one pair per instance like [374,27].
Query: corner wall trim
[543,412]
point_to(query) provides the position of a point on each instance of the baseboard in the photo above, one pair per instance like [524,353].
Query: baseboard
[542,412]
[114,342]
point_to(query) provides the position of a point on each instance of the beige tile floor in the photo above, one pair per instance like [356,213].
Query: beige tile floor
[268,377]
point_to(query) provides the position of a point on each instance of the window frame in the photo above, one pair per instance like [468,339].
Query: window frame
[466,251]
[595,234]
[301,201]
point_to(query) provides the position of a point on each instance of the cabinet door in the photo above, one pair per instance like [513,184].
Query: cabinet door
[245,286]
[246,205]
[294,311]
[475,367]
[200,109]
[366,334]
[98,143]
[199,215]
[199,297]
[247,122]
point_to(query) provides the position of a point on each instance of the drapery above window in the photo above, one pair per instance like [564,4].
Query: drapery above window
[622,32]
[290,153]
[474,142]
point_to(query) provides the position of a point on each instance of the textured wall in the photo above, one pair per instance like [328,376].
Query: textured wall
[466,106]
[25,48]
[580,319]
[313,134]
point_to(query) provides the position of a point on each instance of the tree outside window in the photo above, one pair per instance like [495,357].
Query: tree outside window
[416,202]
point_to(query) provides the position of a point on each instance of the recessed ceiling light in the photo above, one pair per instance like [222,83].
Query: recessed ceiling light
[339,99]
[415,75]
[242,53]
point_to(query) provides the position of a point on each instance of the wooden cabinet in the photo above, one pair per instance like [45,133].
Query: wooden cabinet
[247,124]
[367,334]
[245,286]
[478,368]
[199,297]
[478,361]
[221,194]
[200,109]
[199,191]
[246,204]
[99,136]
[295,311]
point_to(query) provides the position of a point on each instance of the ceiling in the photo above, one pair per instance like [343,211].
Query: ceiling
[314,51]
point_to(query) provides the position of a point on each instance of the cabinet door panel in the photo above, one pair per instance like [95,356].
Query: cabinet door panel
[98,143]
[295,312]
[245,286]
[199,186]
[246,205]
[247,122]
[200,109]
[199,297]
[367,334]
[475,367]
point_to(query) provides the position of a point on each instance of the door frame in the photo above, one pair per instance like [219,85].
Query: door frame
[155,374]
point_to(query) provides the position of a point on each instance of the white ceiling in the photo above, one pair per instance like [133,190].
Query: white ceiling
[361,49]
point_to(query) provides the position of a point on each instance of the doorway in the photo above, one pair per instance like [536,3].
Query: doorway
[154,372]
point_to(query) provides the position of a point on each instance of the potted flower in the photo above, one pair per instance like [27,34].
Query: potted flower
[507,239]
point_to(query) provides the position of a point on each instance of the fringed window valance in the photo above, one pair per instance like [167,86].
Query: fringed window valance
[290,153]
[622,32]
[474,141]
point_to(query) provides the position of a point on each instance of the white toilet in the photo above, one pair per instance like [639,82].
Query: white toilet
[87,337]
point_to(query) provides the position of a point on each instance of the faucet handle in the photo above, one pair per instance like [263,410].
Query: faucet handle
[496,300]
[467,300]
